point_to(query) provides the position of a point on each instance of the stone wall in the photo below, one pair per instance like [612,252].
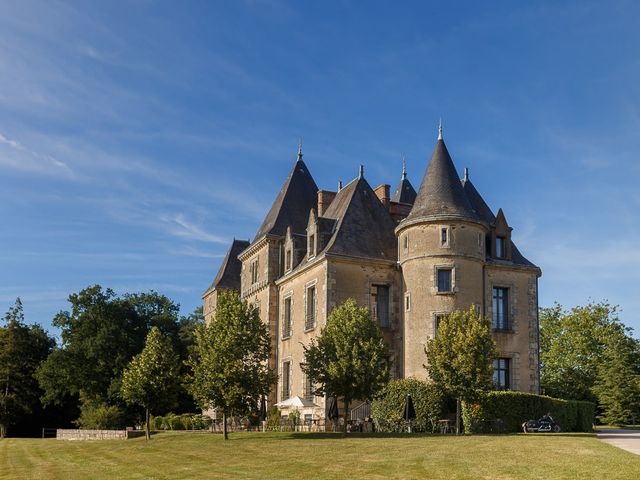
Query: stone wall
[76,434]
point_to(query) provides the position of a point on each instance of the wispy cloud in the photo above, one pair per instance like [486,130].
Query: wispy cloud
[180,226]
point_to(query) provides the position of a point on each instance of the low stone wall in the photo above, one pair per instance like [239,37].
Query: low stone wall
[75,434]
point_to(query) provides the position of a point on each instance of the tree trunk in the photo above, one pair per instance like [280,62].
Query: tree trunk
[225,434]
[346,414]
[458,416]
[3,430]
[147,428]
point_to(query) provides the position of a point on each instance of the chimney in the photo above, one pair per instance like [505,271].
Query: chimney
[382,192]
[325,197]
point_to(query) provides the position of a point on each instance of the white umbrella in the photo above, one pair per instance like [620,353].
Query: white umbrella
[296,402]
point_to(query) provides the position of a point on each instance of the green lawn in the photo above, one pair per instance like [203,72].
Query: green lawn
[320,456]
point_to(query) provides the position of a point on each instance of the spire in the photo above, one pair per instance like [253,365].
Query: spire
[466,174]
[441,192]
[339,185]
[404,168]
[361,171]
[300,149]
[440,130]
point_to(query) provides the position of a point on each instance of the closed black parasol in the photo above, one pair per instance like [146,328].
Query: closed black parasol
[333,409]
[263,408]
[409,411]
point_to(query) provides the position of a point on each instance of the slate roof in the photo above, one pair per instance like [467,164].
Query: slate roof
[296,198]
[405,193]
[519,259]
[441,193]
[364,227]
[229,273]
[478,204]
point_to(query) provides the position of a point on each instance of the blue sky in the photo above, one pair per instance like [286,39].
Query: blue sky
[137,139]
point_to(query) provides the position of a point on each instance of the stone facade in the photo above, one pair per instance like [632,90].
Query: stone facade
[409,258]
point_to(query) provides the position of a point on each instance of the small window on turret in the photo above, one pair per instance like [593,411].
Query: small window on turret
[444,237]
[406,243]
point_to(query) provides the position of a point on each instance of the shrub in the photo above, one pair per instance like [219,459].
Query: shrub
[387,409]
[157,423]
[503,412]
[273,419]
[100,416]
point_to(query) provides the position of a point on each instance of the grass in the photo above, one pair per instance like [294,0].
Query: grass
[319,456]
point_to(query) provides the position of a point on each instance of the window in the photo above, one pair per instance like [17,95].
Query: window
[406,243]
[501,374]
[380,304]
[312,246]
[407,302]
[309,390]
[444,280]
[287,322]
[254,272]
[287,261]
[500,244]
[286,380]
[500,310]
[444,237]
[436,323]
[310,317]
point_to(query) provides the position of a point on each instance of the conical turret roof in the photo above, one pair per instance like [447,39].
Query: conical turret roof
[291,207]
[441,193]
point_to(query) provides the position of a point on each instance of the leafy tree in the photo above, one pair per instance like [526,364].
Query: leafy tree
[347,359]
[618,383]
[229,364]
[573,346]
[151,378]
[22,349]
[100,335]
[460,357]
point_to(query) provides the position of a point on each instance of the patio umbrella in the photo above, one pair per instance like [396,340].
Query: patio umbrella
[263,408]
[409,411]
[333,409]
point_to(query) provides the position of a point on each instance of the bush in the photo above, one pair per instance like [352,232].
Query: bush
[504,412]
[387,409]
[100,416]
[157,423]
[273,419]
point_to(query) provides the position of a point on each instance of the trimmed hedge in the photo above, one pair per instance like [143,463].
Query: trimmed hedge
[185,421]
[504,412]
[387,409]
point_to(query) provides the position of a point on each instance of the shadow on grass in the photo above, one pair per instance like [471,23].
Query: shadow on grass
[339,435]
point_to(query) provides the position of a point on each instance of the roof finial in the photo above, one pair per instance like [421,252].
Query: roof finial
[404,168]
[339,185]
[440,130]
[361,172]
[300,148]
[466,174]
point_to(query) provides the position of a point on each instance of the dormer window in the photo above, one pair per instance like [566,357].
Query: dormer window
[500,247]
[312,246]
[287,260]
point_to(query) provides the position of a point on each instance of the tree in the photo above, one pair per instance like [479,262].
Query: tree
[573,345]
[229,364]
[460,357]
[22,349]
[347,359]
[151,378]
[100,335]
[617,386]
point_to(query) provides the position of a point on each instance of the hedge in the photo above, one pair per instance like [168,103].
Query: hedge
[387,409]
[185,421]
[505,411]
